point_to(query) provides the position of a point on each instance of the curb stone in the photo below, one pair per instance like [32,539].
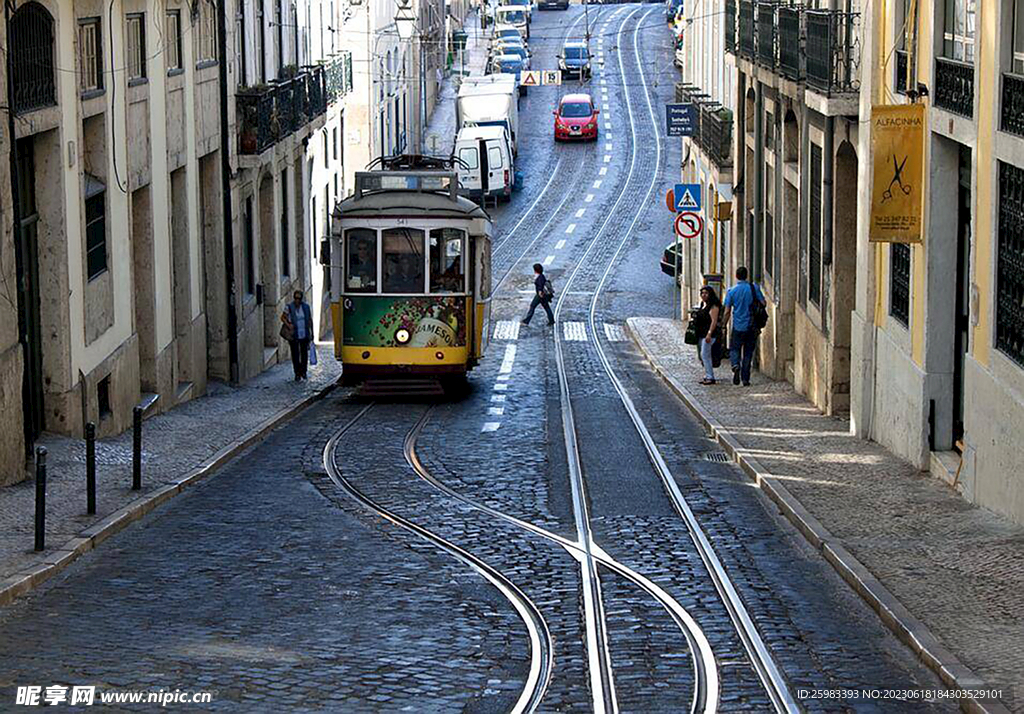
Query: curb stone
[53,561]
[900,621]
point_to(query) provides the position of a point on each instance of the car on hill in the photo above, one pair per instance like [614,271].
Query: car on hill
[576,118]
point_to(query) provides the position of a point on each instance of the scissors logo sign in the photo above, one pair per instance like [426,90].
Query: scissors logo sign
[897,158]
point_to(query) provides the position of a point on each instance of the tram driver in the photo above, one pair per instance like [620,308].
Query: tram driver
[362,263]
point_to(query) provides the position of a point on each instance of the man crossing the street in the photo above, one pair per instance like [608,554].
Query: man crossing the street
[742,303]
[543,296]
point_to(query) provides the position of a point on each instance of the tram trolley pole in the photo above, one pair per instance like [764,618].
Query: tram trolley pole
[40,543]
[137,448]
[90,468]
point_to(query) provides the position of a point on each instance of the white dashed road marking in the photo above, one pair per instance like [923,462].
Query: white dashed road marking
[500,387]
[495,411]
[549,260]
[580,212]
[506,330]
[491,426]
[614,333]
[570,228]
[607,158]
[597,184]
[589,198]
[574,331]
[509,360]
[497,397]
[603,171]
[560,244]
[607,147]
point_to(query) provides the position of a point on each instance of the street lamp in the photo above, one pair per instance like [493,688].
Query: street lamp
[405,20]
[405,23]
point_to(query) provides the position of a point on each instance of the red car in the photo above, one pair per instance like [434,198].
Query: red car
[576,118]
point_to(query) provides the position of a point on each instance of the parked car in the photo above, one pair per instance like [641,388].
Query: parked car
[524,4]
[670,261]
[485,162]
[574,61]
[509,64]
[552,4]
[511,48]
[576,118]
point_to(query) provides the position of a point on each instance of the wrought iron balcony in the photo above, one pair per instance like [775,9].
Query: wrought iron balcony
[339,76]
[716,134]
[901,72]
[765,36]
[833,50]
[791,43]
[954,86]
[746,27]
[730,26]
[268,113]
[1012,119]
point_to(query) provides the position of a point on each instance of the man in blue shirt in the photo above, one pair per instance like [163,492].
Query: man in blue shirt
[739,304]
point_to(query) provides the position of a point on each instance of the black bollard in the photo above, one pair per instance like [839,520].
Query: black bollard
[137,449]
[90,468]
[40,498]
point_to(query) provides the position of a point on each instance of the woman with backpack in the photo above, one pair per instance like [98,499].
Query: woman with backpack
[709,331]
[545,293]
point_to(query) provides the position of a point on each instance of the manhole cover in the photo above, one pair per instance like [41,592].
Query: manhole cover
[717,456]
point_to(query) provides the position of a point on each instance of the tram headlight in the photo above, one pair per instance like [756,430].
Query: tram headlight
[402,336]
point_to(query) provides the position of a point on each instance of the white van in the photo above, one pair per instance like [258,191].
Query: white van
[483,159]
[514,16]
[489,102]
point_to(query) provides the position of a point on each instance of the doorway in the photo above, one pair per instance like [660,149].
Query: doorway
[28,289]
[961,316]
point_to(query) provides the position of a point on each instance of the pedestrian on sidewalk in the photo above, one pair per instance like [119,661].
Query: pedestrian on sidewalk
[544,294]
[709,347]
[297,328]
[743,301]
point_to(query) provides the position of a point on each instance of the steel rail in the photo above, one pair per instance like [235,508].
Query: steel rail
[706,681]
[764,664]
[679,614]
[541,648]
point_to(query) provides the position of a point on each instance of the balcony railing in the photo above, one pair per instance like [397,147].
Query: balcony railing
[339,76]
[765,37]
[716,134]
[1012,119]
[270,112]
[730,26]
[791,43]
[746,26]
[833,50]
[901,72]
[954,86]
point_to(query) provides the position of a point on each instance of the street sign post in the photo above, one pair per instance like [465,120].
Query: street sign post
[532,78]
[687,196]
[680,119]
[689,224]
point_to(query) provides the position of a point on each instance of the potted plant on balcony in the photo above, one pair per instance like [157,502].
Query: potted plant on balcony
[248,119]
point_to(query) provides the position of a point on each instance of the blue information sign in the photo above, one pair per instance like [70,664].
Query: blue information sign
[680,119]
[687,197]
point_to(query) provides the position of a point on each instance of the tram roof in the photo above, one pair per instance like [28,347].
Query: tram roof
[422,202]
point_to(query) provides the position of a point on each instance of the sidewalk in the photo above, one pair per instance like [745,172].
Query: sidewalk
[178,447]
[947,577]
[442,118]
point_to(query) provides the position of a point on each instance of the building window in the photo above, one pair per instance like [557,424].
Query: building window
[1010,264]
[1018,37]
[814,229]
[958,30]
[261,43]
[336,153]
[248,250]
[90,55]
[899,282]
[327,153]
[135,32]
[172,40]
[769,131]
[285,257]
[32,58]
[103,397]
[206,34]
[769,219]
[95,227]
[279,22]
[240,58]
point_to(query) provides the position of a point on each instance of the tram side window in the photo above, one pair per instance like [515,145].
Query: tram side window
[447,263]
[361,260]
[403,260]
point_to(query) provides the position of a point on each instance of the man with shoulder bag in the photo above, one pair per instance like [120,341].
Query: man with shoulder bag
[745,304]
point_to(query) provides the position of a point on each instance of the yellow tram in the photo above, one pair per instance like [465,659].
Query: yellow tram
[410,277]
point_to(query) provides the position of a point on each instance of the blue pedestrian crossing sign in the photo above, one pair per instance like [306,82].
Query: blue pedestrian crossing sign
[687,197]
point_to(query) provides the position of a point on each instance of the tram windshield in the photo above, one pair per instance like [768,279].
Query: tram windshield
[361,260]
[403,260]
[447,267]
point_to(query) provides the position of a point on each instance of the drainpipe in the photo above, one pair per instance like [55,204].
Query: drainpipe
[756,247]
[19,256]
[225,176]
[740,161]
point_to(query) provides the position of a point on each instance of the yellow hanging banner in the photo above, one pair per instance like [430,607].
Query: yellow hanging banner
[897,156]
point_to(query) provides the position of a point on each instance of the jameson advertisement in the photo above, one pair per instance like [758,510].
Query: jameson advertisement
[428,321]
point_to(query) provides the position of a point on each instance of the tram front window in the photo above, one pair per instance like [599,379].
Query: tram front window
[361,260]
[447,267]
[403,260]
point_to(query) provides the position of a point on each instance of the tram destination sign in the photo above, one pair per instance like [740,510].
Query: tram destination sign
[680,119]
